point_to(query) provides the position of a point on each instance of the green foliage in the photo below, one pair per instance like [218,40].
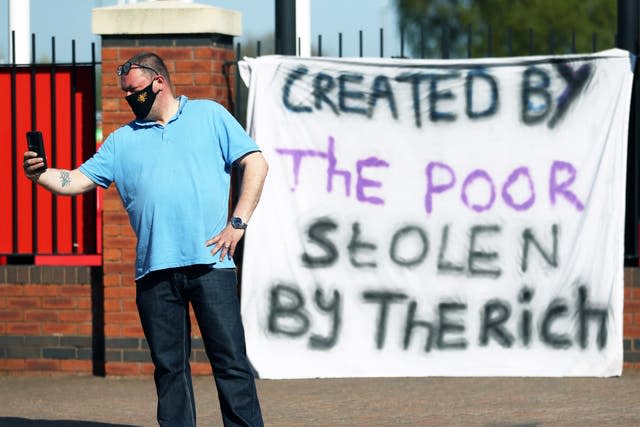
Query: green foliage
[506,27]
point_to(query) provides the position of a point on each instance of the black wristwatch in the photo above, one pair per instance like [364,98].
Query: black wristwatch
[238,223]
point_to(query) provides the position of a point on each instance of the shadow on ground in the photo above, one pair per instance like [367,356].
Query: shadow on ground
[514,425]
[24,422]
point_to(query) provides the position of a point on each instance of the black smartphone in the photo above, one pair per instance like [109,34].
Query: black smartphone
[36,144]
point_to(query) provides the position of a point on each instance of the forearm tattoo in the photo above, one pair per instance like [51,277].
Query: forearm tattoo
[65,178]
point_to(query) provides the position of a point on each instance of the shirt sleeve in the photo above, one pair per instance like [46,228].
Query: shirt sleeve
[234,141]
[99,168]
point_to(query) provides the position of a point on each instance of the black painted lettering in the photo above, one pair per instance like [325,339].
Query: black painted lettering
[332,308]
[415,79]
[384,299]
[421,253]
[317,233]
[447,325]
[344,94]
[412,324]
[576,81]
[322,85]
[357,246]
[526,318]
[476,255]
[287,315]
[586,313]
[536,99]
[529,238]
[557,308]
[482,75]
[294,75]
[494,315]
[444,265]
[436,95]
[380,89]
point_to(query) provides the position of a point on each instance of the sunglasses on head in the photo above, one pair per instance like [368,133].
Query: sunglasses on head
[124,69]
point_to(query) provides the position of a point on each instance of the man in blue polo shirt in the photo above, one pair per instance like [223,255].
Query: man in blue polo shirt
[171,166]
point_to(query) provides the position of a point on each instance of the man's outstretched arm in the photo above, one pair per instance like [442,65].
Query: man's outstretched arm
[58,181]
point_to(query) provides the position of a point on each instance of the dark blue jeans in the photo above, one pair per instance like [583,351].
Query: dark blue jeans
[163,299]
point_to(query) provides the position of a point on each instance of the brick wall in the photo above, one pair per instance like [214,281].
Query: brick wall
[195,64]
[632,318]
[52,320]
[46,319]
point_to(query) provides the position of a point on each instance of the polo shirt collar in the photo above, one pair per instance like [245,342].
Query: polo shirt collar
[148,123]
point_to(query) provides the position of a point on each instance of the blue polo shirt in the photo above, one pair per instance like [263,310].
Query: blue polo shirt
[174,181]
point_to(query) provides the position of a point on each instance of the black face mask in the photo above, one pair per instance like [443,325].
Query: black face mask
[142,101]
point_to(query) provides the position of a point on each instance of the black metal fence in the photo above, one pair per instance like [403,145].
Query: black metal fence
[474,43]
[59,100]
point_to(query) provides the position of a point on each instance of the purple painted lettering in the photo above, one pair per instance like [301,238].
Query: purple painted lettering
[361,183]
[477,174]
[432,187]
[297,156]
[562,188]
[333,171]
[506,196]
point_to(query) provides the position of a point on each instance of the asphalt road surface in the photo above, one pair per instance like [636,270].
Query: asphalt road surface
[85,401]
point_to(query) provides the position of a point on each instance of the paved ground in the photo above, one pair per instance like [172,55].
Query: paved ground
[496,402]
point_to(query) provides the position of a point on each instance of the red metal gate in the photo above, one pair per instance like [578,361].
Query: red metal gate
[36,226]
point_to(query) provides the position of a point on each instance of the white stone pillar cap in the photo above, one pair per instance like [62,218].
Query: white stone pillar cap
[165,17]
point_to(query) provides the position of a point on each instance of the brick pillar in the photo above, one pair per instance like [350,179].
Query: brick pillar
[195,62]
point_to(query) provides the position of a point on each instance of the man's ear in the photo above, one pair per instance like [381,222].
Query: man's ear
[161,82]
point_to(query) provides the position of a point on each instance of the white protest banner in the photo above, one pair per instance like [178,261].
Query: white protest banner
[432,217]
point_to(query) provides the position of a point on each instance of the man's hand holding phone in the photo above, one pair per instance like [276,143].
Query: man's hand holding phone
[35,160]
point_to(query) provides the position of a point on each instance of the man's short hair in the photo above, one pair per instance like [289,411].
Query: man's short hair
[152,60]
